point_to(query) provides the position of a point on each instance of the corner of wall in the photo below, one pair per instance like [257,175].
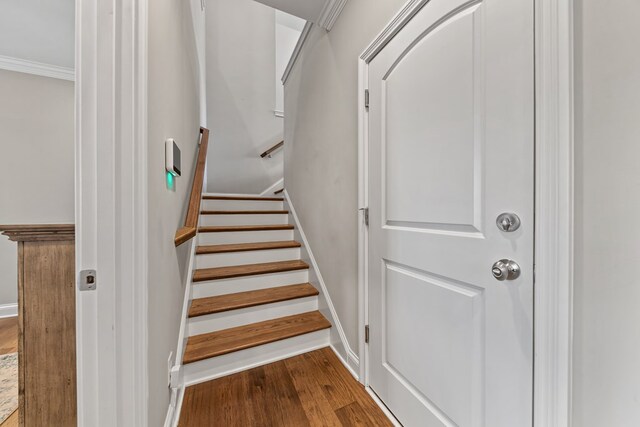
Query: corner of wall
[337,338]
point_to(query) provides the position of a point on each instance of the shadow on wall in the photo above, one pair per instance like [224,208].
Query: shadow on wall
[241,96]
[234,163]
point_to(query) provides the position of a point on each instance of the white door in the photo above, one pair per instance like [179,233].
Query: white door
[451,146]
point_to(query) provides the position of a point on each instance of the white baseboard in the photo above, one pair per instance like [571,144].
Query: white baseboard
[354,371]
[352,361]
[273,187]
[346,364]
[382,406]
[173,414]
[8,310]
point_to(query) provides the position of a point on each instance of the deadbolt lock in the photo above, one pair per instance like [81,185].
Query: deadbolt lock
[508,222]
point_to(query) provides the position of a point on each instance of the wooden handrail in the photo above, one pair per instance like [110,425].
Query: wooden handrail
[272,149]
[190,228]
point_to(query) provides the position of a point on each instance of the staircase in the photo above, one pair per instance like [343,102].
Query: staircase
[251,300]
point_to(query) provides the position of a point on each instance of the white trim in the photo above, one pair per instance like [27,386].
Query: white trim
[353,362]
[178,408]
[553,327]
[296,51]
[346,363]
[168,419]
[330,13]
[36,68]
[273,187]
[111,218]
[383,407]
[401,19]
[363,235]
[8,310]
[278,113]
[405,14]
[186,302]
[324,293]
[375,398]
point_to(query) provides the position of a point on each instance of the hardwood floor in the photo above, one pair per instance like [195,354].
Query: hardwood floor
[8,335]
[9,344]
[313,389]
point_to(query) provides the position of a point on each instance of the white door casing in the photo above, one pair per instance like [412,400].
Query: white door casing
[450,147]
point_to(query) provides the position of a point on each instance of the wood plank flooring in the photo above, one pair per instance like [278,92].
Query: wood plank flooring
[9,344]
[313,389]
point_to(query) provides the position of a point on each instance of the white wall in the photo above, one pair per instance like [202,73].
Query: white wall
[240,46]
[321,153]
[288,29]
[173,112]
[606,376]
[36,139]
[38,30]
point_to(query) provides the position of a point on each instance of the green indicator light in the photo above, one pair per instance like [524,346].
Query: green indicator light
[170,180]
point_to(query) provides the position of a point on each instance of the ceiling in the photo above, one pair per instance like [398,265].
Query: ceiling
[38,30]
[321,12]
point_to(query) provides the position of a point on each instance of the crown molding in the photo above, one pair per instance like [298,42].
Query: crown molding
[330,13]
[36,68]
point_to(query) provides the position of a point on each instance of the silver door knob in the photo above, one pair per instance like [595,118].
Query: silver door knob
[508,222]
[505,269]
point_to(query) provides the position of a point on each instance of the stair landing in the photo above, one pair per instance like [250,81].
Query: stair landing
[313,389]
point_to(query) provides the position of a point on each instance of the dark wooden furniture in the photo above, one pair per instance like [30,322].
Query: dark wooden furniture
[46,323]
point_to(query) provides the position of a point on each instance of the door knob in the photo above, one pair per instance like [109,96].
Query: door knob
[508,222]
[505,269]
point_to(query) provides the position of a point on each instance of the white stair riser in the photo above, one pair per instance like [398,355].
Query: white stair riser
[246,257]
[231,319]
[216,367]
[260,219]
[248,283]
[240,205]
[244,237]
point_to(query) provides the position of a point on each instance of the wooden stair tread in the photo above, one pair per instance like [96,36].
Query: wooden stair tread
[266,199]
[204,346]
[280,212]
[216,273]
[244,247]
[221,303]
[232,228]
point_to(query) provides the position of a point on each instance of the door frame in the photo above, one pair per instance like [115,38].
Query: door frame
[554,189]
[111,211]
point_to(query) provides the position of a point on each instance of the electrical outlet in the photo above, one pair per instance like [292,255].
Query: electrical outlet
[169,367]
